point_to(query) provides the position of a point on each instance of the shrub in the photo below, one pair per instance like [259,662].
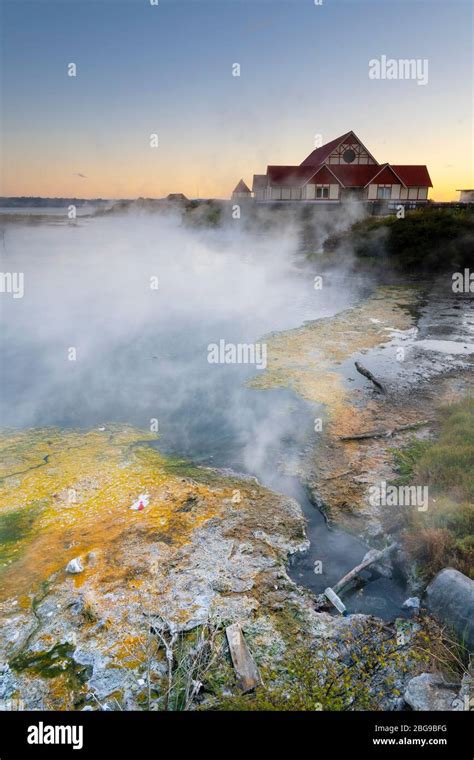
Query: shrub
[356,672]
[425,240]
[444,534]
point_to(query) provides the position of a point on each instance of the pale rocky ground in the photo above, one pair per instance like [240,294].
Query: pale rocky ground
[208,548]
[387,333]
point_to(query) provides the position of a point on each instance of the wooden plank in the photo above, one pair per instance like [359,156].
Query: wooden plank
[247,672]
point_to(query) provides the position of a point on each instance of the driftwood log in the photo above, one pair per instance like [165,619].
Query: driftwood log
[383,433]
[248,675]
[364,371]
[372,556]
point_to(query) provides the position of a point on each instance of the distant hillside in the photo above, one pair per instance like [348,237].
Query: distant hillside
[38,202]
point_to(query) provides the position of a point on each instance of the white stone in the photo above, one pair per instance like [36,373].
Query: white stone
[75,566]
[413,602]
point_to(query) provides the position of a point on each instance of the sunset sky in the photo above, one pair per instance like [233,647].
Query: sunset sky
[167,69]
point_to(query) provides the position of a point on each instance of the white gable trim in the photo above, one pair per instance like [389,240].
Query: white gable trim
[384,166]
[359,141]
[324,166]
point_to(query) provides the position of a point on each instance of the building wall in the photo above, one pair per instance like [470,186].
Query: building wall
[399,193]
[414,193]
[305,193]
[308,193]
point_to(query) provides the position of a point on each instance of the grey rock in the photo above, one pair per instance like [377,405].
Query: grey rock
[7,682]
[450,598]
[429,692]
[108,681]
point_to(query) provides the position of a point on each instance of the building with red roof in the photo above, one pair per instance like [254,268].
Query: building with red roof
[341,170]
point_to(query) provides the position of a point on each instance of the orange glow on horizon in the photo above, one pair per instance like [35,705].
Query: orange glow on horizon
[47,175]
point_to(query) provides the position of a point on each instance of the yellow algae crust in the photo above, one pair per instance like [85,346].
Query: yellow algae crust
[207,547]
[306,358]
[65,493]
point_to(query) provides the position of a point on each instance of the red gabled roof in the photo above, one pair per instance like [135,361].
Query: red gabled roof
[348,175]
[324,175]
[319,155]
[413,176]
[385,175]
[241,187]
[354,175]
[289,176]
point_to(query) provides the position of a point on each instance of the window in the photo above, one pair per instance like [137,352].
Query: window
[322,191]
[384,192]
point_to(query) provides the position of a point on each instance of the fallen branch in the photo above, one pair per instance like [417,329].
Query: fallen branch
[338,475]
[363,371]
[372,556]
[383,433]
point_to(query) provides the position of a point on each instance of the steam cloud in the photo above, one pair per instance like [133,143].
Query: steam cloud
[142,352]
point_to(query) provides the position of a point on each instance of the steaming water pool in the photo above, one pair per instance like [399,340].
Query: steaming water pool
[141,354]
[291,421]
